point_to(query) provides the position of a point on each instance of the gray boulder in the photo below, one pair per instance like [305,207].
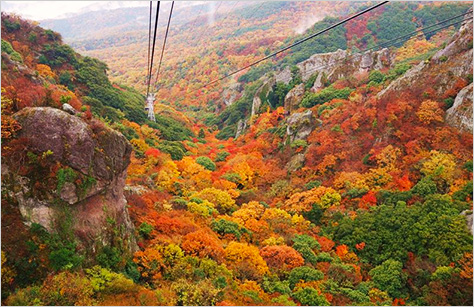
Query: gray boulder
[293,98]
[97,155]
[300,125]
[460,114]
[68,108]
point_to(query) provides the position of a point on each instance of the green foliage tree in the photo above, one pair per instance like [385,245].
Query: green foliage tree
[324,96]
[310,297]
[206,162]
[224,227]
[304,273]
[305,245]
[389,277]
[7,47]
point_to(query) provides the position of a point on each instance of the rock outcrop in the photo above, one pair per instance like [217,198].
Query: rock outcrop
[460,114]
[96,158]
[293,98]
[442,71]
[231,94]
[335,65]
[241,125]
[262,92]
[468,215]
[296,162]
[300,125]
[284,76]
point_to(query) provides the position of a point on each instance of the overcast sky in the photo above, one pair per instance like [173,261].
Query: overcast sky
[38,10]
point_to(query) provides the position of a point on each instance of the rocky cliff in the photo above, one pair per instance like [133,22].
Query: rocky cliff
[442,72]
[83,165]
[460,114]
[335,65]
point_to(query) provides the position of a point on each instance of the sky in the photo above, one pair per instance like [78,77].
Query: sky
[39,10]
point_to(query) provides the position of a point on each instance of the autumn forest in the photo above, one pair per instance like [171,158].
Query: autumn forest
[337,172]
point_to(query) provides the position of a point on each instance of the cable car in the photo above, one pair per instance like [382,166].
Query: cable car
[149,106]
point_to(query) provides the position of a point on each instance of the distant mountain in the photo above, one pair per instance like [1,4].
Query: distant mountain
[102,21]
[202,31]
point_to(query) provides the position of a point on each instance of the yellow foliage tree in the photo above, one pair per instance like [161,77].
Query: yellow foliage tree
[374,179]
[221,199]
[246,260]
[168,175]
[304,201]
[387,158]
[429,112]
[440,165]
[7,273]
[45,71]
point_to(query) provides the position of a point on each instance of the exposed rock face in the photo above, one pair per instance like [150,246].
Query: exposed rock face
[442,71]
[231,94]
[241,125]
[335,65]
[284,76]
[460,114]
[300,125]
[468,214]
[256,104]
[103,154]
[262,91]
[68,108]
[320,62]
[293,98]
[296,162]
[98,156]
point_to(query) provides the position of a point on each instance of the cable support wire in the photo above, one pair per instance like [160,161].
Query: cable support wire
[298,42]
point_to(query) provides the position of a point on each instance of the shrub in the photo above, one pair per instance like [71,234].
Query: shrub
[145,229]
[469,78]
[109,257]
[225,227]
[312,184]
[304,273]
[221,156]
[206,162]
[305,244]
[64,257]
[324,96]
[324,257]
[204,208]
[67,289]
[65,175]
[175,149]
[232,177]
[11,25]
[299,143]
[196,294]
[397,71]
[222,200]
[7,47]
[376,77]
[310,297]
[448,102]
[65,79]
[25,297]
[310,82]
[274,285]
[131,271]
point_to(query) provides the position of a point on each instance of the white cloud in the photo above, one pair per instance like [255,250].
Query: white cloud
[38,10]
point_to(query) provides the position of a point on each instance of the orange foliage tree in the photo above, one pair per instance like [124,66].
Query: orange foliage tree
[281,257]
[202,243]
